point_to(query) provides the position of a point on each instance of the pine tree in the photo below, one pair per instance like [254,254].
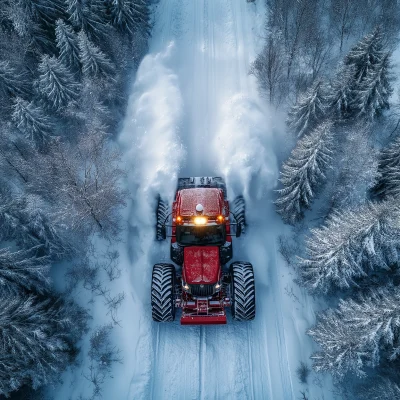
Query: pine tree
[12,82]
[129,15]
[389,170]
[309,111]
[384,390]
[366,54]
[67,44]
[82,18]
[94,61]
[304,172]
[56,84]
[350,244]
[75,10]
[341,93]
[35,340]
[359,333]
[23,270]
[25,221]
[371,95]
[32,121]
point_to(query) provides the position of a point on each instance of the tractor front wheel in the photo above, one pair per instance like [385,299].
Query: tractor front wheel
[243,291]
[162,293]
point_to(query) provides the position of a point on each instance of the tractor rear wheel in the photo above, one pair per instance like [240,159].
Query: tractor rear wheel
[239,210]
[161,215]
[243,291]
[162,293]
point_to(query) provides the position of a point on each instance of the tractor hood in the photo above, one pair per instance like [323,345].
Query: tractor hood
[201,264]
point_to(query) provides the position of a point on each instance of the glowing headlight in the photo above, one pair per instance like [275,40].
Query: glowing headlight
[185,287]
[200,220]
[217,286]
[220,219]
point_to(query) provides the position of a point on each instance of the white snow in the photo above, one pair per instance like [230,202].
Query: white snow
[194,110]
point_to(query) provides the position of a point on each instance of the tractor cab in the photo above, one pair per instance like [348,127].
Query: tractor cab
[200,217]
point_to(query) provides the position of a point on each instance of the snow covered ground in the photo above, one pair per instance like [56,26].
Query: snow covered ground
[194,110]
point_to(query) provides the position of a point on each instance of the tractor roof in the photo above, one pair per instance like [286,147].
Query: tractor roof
[210,198]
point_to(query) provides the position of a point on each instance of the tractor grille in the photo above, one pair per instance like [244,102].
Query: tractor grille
[206,290]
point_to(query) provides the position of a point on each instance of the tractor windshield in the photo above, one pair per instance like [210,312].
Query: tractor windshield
[200,235]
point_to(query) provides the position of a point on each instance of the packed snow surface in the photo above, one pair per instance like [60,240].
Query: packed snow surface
[195,111]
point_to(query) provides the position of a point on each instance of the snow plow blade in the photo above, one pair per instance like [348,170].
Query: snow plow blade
[203,320]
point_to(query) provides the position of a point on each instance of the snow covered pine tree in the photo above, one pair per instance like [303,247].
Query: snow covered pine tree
[359,333]
[56,84]
[94,61]
[389,170]
[351,244]
[303,172]
[67,44]
[32,121]
[309,111]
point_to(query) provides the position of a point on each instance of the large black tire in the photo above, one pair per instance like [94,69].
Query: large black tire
[162,293]
[202,181]
[243,291]
[161,214]
[238,208]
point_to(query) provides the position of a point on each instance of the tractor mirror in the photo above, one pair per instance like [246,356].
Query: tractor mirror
[164,232]
[238,230]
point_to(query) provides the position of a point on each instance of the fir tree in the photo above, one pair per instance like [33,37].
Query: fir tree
[359,333]
[389,170]
[341,91]
[25,221]
[56,84]
[384,390]
[371,95]
[23,270]
[129,15]
[35,339]
[32,122]
[67,44]
[12,82]
[366,54]
[94,61]
[350,244]
[304,172]
[82,18]
[309,110]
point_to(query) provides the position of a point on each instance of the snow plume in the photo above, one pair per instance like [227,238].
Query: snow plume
[244,146]
[150,135]
[152,156]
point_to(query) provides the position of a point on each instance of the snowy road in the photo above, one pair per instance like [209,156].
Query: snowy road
[194,110]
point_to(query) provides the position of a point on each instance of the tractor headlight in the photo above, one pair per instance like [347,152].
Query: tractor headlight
[185,287]
[200,220]
[217,287]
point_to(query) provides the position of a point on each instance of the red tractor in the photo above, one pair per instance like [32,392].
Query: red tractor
[200,226]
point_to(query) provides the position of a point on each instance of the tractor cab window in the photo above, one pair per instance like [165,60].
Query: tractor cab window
[201,235]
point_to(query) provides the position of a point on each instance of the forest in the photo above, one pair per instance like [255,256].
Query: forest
[340,178]
[328,65]
[63,72]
